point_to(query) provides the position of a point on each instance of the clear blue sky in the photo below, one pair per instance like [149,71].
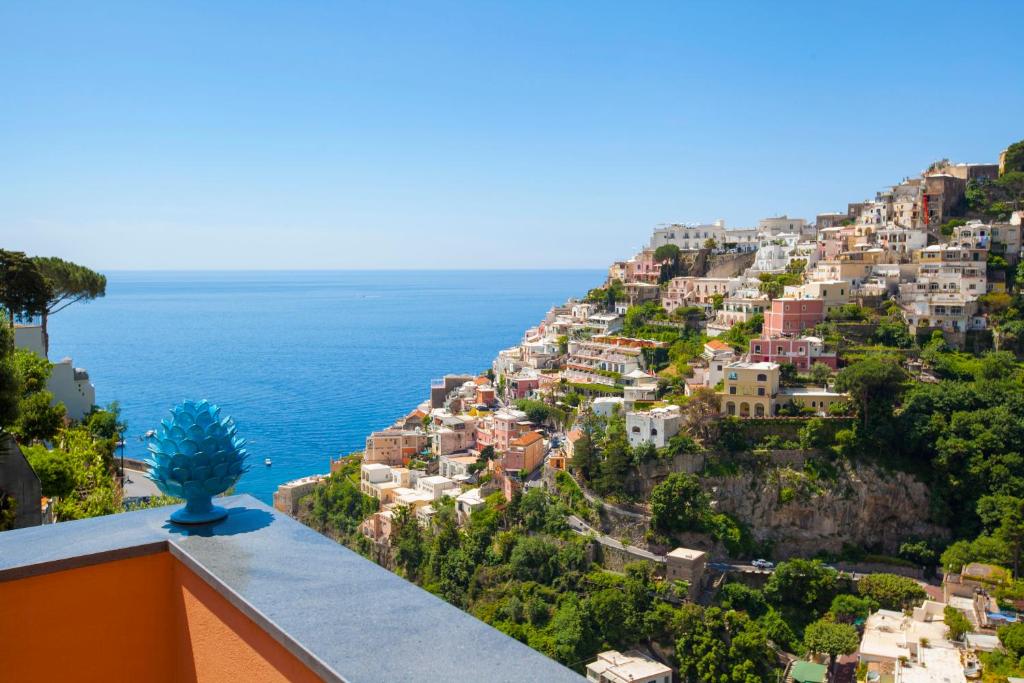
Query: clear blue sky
[519,134]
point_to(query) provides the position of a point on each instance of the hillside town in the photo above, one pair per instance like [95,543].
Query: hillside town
[626,419]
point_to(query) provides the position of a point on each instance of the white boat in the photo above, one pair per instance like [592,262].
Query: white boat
[266,461]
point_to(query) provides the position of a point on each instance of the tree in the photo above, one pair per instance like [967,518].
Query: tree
[679,504]
[848,608]
[700,414]
[956,622]
[55,470]
[742,598]
[614,616]
[668,256]
[407,541]
[814,434]
[534,558]
[1012,638]
[24,292]
[38,419]
[666,252]
[982,549]
[10,386]
[891,591]
[832,639]
[721,646]
[801,584]
[33,371]
[893,333]
[919,552]
[1013,162]
[68,283]
[874,382]
[1004,515]
[820,373]
[584,459]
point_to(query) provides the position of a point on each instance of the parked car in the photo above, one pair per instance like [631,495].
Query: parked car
[763,564]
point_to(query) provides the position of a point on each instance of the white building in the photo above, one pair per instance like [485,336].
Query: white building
[467,503]
[614,667]
[655,426]
[30,337]
[605,406]
[718,354]
[68,384]
[434,486]
[740,239]
[774,253]
[892,637]
[779,225]
[688,237]
[71,386]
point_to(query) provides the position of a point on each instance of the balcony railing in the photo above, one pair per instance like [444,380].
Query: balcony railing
[257,596]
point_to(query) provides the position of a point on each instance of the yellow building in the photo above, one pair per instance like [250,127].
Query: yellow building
[749,389]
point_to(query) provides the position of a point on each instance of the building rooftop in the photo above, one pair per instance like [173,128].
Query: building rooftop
[808,391]
[687,554]
[218,597]
[808,672]
[761,365]
[615,666]
[717,345]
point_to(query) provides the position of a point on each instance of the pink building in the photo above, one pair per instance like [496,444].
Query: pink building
[803,352]
[643,268]
[520,385]
[790,317]
[501,429]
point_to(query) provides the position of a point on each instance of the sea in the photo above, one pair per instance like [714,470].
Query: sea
[307,363]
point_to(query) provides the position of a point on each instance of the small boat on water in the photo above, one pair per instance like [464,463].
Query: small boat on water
[266,461]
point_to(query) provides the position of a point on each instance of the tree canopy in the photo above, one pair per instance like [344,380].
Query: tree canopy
[891,591]
[68,283]
[831,638]
[24,292]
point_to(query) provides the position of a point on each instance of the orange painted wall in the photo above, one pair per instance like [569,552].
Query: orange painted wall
[142,619]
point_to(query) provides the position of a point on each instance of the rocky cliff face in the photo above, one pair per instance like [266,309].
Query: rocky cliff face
[862,505]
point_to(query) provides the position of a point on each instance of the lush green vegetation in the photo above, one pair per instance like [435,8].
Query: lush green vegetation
[679,504]
[74,461]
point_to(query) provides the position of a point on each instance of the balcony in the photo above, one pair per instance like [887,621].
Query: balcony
[257,597]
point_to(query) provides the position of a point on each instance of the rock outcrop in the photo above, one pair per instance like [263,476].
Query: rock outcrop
[861,505]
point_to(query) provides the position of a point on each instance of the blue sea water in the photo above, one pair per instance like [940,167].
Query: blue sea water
[307,363]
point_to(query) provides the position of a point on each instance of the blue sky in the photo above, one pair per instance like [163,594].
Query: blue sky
[440,135]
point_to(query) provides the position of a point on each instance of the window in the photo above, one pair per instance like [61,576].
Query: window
[762,377]
[757,348]
[732,375]
[732,390]
[760,391]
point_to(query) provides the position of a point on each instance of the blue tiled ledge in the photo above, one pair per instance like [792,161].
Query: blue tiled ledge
[342,615]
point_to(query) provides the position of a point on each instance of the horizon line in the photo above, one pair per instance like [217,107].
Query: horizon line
[341,270]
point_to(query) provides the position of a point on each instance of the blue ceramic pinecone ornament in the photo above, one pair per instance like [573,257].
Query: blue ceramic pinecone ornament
[195,455]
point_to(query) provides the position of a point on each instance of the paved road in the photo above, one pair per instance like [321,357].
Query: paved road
[137,486]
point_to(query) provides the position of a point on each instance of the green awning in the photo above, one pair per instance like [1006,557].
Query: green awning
[808,672]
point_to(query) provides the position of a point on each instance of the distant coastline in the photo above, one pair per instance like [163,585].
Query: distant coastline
[308,362]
